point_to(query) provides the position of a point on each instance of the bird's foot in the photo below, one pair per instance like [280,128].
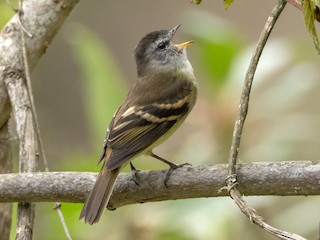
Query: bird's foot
[134,174]
[173,166]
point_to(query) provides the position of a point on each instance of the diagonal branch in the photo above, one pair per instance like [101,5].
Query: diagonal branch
[245,95]
[41,17]
[296,178]
[295,3]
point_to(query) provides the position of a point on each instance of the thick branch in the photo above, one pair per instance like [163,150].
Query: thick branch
[28,148]
[278,178]
[41,19]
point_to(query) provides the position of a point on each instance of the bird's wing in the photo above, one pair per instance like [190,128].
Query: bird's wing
[105,146]
[138,127]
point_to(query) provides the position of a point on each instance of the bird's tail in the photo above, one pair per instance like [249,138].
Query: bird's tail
[99,196]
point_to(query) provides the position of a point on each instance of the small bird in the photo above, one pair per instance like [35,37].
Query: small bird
[157,104]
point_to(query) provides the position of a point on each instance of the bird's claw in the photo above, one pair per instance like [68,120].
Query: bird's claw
[171,169]
[134,174]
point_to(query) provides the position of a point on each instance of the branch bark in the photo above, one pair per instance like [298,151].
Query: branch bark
[232,181]
[5,167]
[277,178]
[42,19]
[28,148]
[295,3]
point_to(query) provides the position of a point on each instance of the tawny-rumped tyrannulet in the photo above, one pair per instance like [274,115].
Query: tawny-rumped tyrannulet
[157,104]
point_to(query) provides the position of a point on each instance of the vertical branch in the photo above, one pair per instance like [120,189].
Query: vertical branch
[5,167]
[29,222]
[28,151]
[5,158]
[245,95]
[43,18]
[34,114]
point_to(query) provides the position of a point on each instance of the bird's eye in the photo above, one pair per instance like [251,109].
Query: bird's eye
[161,45]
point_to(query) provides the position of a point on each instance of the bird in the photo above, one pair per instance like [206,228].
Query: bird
[163,95]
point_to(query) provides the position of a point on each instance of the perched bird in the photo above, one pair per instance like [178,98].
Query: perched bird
[157,104]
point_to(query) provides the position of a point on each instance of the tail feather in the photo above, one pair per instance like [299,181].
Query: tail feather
[99,196]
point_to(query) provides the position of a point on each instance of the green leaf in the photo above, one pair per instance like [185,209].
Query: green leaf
[216,47]
[316,2]
[308,8]
[227,3]
[103,85]
[196,1]
[6,13]
[217,56]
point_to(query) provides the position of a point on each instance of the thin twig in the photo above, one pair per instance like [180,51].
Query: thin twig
[57,207]
[255,218]
[37,127]
[30,91]
[43,19]
[231,180]
[34,113]
[20,13]
[28,149]
[295,3]
[245,95]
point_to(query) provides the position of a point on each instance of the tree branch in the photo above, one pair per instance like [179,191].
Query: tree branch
[245,95]
[232,178]
[28,147]
[295,3]
[41,19]
[296,178]
[5,167]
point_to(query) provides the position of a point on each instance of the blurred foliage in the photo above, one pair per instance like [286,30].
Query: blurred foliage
[218,46]
[103,85]
[6,12]
[227,3]
[309,11]
[282,124]
[196,1]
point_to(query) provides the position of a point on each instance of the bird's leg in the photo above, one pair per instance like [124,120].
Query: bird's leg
[172,166]
[134,174]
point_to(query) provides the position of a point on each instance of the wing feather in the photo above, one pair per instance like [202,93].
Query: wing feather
[136,131]
[105,143]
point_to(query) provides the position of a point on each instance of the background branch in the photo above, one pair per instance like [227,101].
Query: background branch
[278,178]
[42,19]
[7,44]
[245,94]
[232,181]
[28,147]
[295,3]
[5,167]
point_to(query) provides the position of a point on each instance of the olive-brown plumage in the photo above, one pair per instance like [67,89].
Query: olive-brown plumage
[162,97]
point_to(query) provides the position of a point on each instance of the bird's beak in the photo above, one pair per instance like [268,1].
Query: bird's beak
[174,30]
[184,44]
[181,45]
